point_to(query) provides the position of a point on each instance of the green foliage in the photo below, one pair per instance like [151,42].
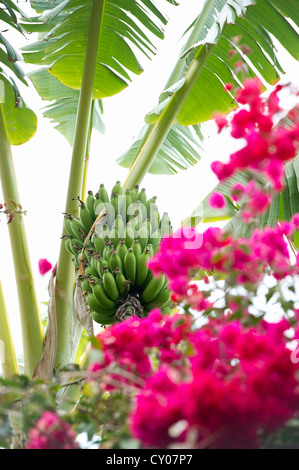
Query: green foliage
[62,50]
[21,122]
[238,26]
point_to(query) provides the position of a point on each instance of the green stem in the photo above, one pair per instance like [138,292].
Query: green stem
[7,352]
[65,268]
[167,118]
[175,75]
[30,319]
[179,68]
[87,154]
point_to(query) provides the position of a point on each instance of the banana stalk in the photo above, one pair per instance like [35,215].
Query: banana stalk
[30,319]
[156,133]
[65,268]
[87,152]
[151,147]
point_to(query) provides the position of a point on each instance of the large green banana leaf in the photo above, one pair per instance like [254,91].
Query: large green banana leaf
[62,26]
[181,149]
[126,24]
[21,122]
[245,27]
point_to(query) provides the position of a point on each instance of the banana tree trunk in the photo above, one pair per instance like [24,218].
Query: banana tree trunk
[65,268]
[30,319]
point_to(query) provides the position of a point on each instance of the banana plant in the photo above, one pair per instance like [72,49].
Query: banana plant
[17,125]
[89,49]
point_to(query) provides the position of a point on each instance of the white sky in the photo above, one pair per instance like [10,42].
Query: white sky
[42,165]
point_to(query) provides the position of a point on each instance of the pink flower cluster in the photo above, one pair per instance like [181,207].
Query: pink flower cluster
[267,147]
[214,387]
[253,199]
[238,382]
[243,260]
[51,432]
[126,348]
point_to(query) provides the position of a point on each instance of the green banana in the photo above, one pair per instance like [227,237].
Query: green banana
[120,226]
[90,200]
[130,235]
[90,270]
[141,196]
[122,249]
[110,284]
[149,203]
[102,264]
[115,261]
[159,301]
[129,199]
[114,237]
[155,239]
[101,296]
[103,194]
[143,236]
[97,201]
[85,217]
[136,249]
[150,249]
[99,243]
[134,192]
[130,266]
[105,317]
[107,251]
[114,202]
[77,229]
[155,217]
[67,224]
[93,303]
[153,289]
[69,247]
[85,285]
[117,188]
[142,268]
[120,282]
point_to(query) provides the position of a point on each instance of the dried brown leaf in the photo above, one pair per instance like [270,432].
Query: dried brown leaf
[45,368]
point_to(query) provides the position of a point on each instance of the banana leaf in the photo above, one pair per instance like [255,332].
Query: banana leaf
[243,32]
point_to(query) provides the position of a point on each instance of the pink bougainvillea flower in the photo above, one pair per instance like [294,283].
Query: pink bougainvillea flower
[217,201]
[44,266]
[51,432]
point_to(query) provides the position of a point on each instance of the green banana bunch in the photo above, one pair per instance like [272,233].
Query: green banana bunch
[117,282]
